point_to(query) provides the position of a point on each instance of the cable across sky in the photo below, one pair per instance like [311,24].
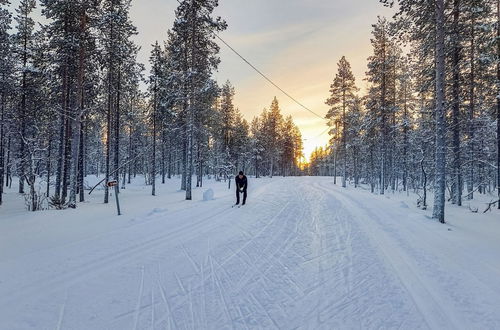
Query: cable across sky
[267,78]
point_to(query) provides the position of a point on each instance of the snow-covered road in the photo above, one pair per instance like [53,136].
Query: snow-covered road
[303,253]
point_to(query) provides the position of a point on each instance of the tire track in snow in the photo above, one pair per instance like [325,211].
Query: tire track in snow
[252,271]
[152,307]
[157,218]
[169,317]
[424,299]
[101,263]
[449,290]
[139,300]
[322,235]
[257,302]
[233,303]
[62,312]
[222,293]
[214,269]
[195,265]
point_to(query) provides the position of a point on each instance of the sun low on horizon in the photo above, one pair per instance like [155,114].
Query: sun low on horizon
[295,43]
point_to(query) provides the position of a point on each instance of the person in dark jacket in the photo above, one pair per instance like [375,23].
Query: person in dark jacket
[241,187]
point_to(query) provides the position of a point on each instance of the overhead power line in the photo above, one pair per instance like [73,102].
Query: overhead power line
[267,78]
[319,135]
[264,76]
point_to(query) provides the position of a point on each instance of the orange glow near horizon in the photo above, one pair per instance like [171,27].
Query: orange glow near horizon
[304,65]
[298,49]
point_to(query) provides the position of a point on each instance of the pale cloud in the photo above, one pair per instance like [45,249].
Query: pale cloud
[298,44]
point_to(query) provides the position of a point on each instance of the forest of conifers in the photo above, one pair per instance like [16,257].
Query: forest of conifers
[72,104]
[430,117]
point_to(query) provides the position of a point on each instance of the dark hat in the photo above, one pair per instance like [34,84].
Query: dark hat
[241,173]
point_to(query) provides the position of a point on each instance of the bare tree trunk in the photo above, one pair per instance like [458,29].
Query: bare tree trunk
[110,92]
[498,101]
[355,161]
[117,128]
[272,166]
[470,181]
[129,154]
[184,162]
[393,174]
[48,165]
[153,167]
[189,160]
[75,152]
[335,166]
[405,139]
[60,162]
[440,162]
[108,139]
[22,117]
[76,122]
[169,169]
[67,159]
[31,182]
[457,175]
[81,163]
[424,183]
[344,140]
[163,156]
[384,117]
[2,149]
[198,161]
[7,164]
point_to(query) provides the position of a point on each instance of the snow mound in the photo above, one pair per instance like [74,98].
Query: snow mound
[403,205]
[208,195]
[157,210]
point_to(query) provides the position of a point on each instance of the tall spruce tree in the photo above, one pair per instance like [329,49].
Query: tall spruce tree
[194,54]
[342,94]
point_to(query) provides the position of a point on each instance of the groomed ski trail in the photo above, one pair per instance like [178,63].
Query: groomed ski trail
[303,253]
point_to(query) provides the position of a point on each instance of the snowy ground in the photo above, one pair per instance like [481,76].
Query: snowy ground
[303,253]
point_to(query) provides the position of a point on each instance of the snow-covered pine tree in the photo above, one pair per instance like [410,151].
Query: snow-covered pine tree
[342,92]
[272,123]
[456,102]
[440,165]
[354,119]
[241,142]
[72,39]
[194,53]
[207,111]
[256,144]
[23,48]
[416,21]
[290,144]
[119,59]
[380,74]
[156,60]
[227,125]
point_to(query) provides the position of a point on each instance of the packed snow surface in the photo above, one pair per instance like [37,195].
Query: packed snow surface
[303,253]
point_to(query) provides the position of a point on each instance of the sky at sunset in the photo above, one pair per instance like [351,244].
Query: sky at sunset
[295,42]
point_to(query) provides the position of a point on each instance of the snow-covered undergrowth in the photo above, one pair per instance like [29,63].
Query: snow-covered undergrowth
[303,253]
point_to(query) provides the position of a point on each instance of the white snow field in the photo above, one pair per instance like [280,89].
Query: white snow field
[303,254]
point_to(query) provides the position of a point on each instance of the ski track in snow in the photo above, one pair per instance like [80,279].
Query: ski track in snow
[311,256]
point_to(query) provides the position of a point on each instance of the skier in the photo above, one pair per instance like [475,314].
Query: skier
[241,187]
